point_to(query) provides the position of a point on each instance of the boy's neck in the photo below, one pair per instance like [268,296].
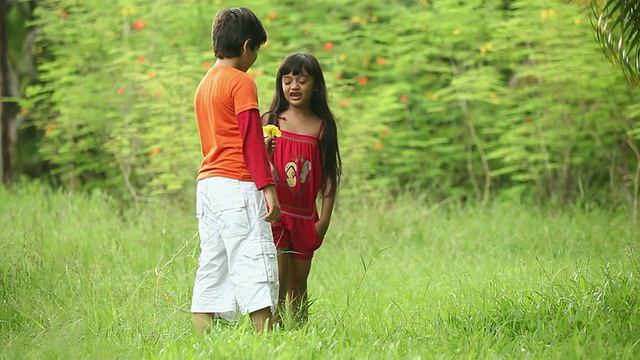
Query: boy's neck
[233,62]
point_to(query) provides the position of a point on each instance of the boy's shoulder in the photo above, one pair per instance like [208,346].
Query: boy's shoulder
[225,82]
[221,77]
[229,73]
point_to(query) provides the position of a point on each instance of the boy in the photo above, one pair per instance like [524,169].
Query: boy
[238,264]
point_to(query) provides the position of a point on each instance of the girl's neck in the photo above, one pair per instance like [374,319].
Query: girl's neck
[300,111]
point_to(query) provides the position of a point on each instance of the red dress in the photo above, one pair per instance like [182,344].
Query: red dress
[298,168]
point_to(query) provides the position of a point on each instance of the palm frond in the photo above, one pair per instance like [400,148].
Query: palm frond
[618,33]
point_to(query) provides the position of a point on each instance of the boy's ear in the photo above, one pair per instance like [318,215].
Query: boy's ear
[245,46]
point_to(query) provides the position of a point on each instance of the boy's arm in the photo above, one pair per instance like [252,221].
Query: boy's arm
[255,156]
[253,148]
[327,210]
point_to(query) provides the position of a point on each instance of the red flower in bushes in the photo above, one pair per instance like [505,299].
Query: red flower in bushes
[404,98]
[327,46]
[363,80]
[139,24]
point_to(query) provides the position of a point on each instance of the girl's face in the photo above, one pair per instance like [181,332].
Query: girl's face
[298,89]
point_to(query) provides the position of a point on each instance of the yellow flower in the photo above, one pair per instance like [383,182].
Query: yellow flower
[456,32]
[126,11]
[271,130]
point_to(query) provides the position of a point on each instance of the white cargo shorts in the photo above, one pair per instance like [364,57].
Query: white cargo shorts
[238,269]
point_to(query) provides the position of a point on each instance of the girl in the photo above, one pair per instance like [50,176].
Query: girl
[307,165]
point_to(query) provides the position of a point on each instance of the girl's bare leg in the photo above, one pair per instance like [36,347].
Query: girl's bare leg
[297,289]
[283,278]
[283,275]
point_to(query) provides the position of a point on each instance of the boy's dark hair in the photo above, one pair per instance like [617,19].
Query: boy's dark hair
[329,149]
[232,27]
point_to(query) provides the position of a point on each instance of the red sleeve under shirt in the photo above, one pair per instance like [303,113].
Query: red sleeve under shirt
[253,148]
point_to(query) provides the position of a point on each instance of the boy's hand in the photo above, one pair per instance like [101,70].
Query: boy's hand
[272,204]
[270,142]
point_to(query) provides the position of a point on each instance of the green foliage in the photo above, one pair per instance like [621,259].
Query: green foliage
[400,278]
[567,119]
[454,98]
[617,28]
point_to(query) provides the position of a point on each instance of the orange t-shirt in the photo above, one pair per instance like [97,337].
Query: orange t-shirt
[222,94]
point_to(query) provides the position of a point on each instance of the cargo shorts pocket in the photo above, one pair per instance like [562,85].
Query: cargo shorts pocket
[231,212]
[199,209]
[263,257]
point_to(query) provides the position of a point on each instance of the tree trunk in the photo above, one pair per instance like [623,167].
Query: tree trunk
[10,85]
[6,111]
[3,61]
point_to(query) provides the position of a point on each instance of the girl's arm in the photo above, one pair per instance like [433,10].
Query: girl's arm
[327,209]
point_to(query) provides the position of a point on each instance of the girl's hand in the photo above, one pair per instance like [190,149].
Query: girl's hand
[321,228]
[270,133]
[270,142]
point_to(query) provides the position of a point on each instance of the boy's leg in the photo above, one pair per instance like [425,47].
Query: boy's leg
[298,274]
[202,322]
[213,290]
[262,319]
[253,266]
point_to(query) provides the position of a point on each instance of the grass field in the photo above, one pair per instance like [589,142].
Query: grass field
[82,278]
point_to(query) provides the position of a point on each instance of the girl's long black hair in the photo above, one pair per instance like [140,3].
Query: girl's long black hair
[330,152]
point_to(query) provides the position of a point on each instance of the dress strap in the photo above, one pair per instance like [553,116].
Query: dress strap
[320,131]
[277,119]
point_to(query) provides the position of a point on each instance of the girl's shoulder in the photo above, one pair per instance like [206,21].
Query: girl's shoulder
[311,126]
[270,117]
